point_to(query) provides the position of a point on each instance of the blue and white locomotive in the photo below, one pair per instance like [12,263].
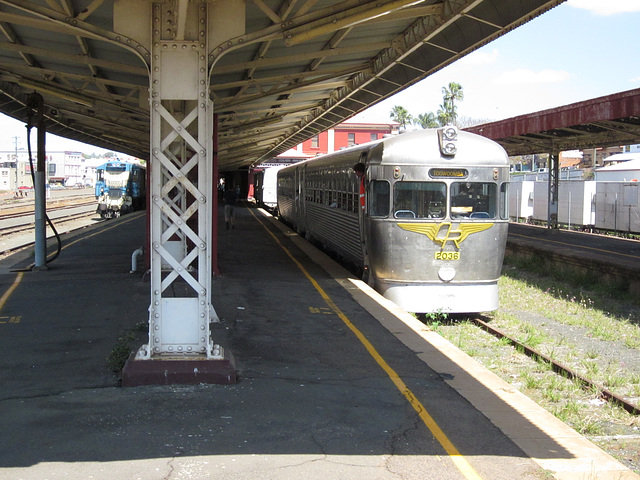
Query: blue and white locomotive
[432,234]
[120,188]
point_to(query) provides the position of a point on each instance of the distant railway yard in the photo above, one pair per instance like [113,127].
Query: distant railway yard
[65,208]
[591,328]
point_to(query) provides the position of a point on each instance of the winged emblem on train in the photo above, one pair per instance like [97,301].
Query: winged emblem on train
[444,232]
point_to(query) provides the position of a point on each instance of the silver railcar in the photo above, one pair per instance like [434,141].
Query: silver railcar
[432,234]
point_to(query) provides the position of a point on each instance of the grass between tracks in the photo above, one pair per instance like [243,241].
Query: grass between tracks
[587,325]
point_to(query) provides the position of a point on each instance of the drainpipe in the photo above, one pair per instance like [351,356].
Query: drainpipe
[134,259]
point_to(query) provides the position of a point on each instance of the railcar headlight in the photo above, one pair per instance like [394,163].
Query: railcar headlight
[450,133]
[449,148]
[447,137]
[446,273]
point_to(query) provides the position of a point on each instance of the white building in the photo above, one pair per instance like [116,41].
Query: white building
[624,168]
[6,176]
[66,168]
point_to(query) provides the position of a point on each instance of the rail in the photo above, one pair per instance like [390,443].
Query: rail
[559,367]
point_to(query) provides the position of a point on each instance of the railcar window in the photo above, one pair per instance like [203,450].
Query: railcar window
[504,201]
[474,200]
[378,198]
[419,199]
[349,195]
[285,186]
[312,190]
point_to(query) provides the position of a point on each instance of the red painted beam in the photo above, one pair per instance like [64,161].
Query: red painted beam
[610,107]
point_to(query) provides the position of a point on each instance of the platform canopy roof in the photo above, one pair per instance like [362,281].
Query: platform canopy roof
[281,71]
[612,120]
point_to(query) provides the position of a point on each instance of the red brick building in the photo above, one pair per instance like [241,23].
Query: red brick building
[346,134]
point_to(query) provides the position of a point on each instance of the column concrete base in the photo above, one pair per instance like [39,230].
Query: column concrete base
[179,371]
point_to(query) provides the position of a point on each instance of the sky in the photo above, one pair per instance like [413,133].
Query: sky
[579,50]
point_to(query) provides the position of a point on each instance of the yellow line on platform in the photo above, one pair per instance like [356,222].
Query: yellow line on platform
[460,462]
[102,230]
[19,276]
[13,286]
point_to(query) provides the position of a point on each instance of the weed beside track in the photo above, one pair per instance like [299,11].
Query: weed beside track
[591,328]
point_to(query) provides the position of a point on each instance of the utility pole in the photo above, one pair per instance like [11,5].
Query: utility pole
[15,143]
[35,104]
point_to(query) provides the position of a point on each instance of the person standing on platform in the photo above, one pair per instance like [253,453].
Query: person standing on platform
[230,201]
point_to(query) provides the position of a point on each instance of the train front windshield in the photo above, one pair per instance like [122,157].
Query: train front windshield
[419,199]
[428,200]
[474,200]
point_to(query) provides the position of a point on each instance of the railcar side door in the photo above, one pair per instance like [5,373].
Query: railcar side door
[373,217]
[299,201]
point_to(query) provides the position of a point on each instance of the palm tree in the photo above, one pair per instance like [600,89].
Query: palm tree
[444,117]
[426,120]
[447,113]
[401,115]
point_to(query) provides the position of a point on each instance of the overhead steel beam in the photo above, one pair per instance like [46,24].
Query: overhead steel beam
[71,58]
[344,19]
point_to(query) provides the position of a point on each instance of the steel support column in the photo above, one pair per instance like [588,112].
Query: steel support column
[554,177]
[181,187]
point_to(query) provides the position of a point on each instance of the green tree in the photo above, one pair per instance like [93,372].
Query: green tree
[426,120]
[401,115]
[448,114]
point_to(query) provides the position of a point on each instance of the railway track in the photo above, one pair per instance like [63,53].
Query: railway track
[20,218]
[572,349]
[559,368]
[28,224]
[10,212]
[17,221]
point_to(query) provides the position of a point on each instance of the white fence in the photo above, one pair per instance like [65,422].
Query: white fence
[603,205]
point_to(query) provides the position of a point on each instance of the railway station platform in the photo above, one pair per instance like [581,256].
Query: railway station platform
[609,257]
[333,381]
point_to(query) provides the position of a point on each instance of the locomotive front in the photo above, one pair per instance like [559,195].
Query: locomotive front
[437,220]
[115,199]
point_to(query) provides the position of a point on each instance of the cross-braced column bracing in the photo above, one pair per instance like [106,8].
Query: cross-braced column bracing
[181,189]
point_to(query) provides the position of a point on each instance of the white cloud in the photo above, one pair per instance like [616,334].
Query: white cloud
[609,7]
[480,57]
[524,76]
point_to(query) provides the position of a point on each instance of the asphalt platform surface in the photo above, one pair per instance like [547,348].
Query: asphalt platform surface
[344,388]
